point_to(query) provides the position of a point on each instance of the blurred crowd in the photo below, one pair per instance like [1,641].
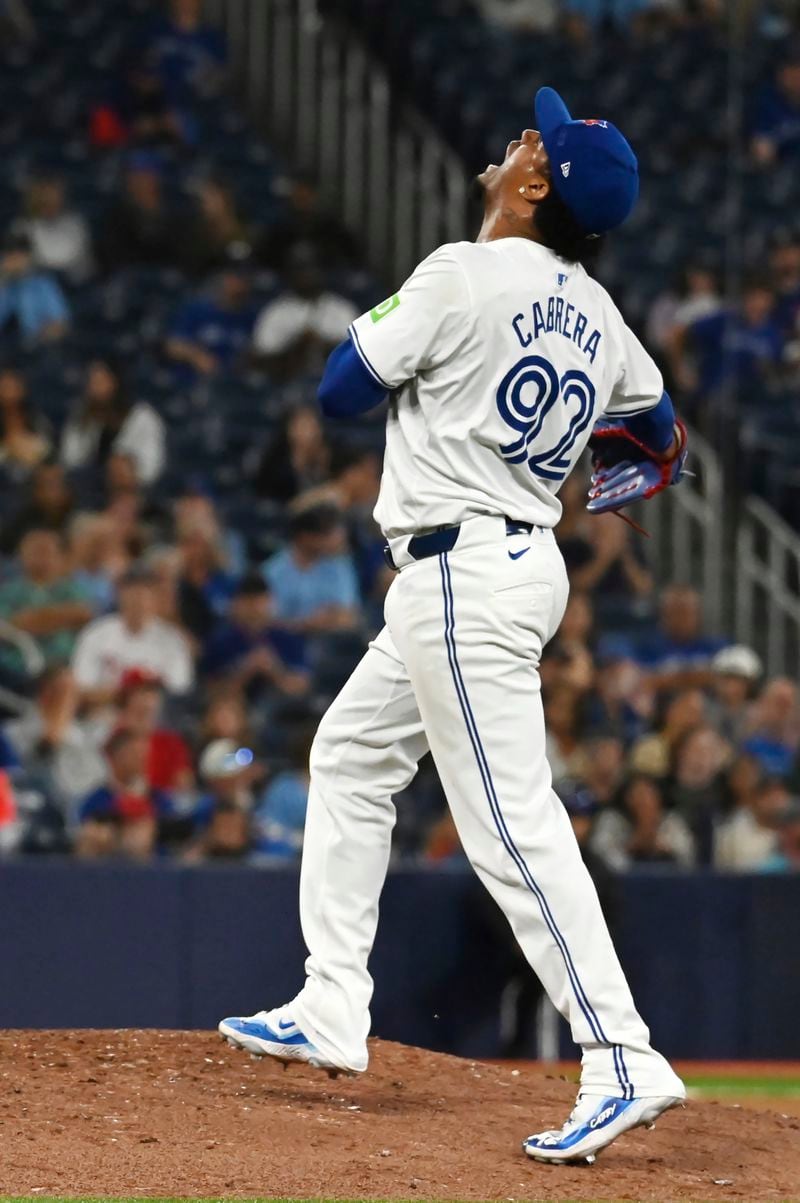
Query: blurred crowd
[706,344]
[708,265]
[189,568]
[178,685]
[188,564]
[581,18]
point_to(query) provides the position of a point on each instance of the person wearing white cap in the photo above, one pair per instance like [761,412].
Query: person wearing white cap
[736,672]
[223,814]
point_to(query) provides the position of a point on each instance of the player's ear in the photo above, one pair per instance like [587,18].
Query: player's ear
[535,190]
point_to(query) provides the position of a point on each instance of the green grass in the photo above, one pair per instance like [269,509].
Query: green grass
[743,1087]
[739,1084]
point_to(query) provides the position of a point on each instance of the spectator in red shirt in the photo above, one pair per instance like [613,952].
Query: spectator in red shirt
[169,761]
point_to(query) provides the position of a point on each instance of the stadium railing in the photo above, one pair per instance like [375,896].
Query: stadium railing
[316,91]
[767,614]
[28,649]
[686,525]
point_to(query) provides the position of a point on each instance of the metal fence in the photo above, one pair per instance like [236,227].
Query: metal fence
[313,88]
[767,601]
[687,527]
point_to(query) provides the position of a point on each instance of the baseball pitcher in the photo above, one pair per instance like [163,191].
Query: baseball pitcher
[502,358]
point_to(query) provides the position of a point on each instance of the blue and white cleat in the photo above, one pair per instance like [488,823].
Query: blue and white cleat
[595,1122]
[275,1034]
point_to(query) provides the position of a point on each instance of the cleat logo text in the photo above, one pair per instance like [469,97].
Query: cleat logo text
[603,1116]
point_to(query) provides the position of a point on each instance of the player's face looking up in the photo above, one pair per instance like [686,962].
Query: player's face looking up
[520,201]
[514,190]
[564,184]
[522,180]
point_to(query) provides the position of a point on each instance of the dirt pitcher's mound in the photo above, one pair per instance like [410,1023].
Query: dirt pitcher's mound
[181,1113]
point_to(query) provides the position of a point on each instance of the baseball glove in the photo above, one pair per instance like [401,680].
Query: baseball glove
[626,469]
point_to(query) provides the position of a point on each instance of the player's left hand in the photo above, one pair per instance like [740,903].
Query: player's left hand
[627,470]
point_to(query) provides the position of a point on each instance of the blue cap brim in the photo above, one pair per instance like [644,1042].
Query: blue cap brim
[550,110]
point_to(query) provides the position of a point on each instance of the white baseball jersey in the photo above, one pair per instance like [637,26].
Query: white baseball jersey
[501,357]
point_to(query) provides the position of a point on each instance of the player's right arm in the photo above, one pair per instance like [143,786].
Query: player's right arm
[414,330]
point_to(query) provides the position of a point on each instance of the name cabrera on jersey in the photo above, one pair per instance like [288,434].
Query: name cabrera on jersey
[500,358]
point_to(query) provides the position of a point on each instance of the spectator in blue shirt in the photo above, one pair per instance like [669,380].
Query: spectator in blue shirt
[776,130]
[787,858]
[249,651]
[32,304]
[9,758]
[145,110]
[678,654]
[188,55]
[210,334]
[618,11]
[280,816]
[775,728]
[355,477]
[743,345]
[313,580]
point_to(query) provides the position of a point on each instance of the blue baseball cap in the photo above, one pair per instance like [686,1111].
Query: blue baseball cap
[594,169]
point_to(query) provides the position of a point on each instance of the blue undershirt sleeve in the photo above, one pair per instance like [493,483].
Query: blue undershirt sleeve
[654,428]
[347,387]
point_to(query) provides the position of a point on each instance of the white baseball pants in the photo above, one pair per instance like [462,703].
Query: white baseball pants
[455,670]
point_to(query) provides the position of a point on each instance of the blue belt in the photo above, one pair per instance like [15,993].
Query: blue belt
[420,547]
